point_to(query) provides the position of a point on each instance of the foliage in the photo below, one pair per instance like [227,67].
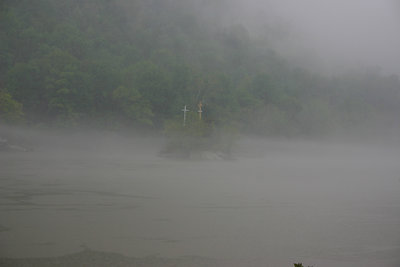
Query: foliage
[132,105]
[10,110]
[138,62]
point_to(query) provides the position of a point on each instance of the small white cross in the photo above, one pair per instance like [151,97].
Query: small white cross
[184,115]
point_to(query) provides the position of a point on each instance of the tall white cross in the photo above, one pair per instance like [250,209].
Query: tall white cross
[184,115]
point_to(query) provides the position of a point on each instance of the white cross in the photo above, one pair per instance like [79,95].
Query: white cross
[184,115]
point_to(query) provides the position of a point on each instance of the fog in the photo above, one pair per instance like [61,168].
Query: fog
[335,35]
[278,202]
[314,177]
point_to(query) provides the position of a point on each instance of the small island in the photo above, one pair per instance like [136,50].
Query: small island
[194,137]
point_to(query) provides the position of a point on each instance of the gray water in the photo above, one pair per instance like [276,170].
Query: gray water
[322,204]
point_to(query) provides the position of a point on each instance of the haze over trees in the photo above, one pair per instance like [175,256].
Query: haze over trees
[123,63]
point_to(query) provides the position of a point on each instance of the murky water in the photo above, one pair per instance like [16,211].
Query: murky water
[277,203]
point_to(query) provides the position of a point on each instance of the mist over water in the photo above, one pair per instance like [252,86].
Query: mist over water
[293,118]
[278,202]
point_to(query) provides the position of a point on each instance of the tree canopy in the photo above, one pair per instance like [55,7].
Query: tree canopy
[137,63]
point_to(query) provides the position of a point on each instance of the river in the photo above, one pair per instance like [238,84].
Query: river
[277,202]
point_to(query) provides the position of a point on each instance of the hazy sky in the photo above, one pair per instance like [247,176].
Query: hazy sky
[341,33]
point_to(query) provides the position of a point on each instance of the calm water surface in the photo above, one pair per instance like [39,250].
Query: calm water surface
[277,203]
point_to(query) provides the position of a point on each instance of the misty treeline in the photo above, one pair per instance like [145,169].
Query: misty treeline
[136,63]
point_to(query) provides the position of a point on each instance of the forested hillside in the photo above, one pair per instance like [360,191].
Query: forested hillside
[136,63]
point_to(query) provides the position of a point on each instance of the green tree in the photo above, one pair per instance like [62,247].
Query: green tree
[154,84]
[132,106]
[10,110]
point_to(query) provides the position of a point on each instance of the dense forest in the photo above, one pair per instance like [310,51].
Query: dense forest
[116,64]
